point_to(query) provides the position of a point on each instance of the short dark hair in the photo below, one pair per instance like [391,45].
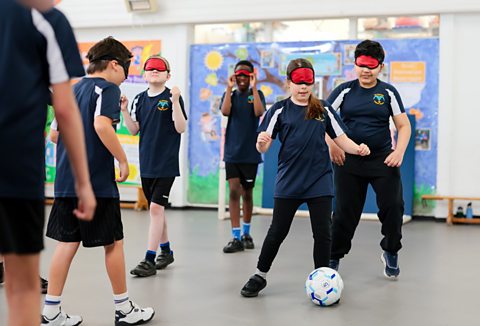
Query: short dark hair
[104,51]
[371,48]
[244,63]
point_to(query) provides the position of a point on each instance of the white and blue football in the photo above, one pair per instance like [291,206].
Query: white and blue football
[324,286]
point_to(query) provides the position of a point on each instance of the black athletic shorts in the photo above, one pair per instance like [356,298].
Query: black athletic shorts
[157,190]
[21,225]
[105,228]
[246,172]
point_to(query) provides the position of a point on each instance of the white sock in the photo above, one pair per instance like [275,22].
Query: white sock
[261,274]
[122,303]
[52,306]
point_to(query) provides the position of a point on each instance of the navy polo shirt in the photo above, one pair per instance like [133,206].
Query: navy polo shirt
[95,96]
[366,112]
[241,133]
[36,50]
[159,140]
[304,166]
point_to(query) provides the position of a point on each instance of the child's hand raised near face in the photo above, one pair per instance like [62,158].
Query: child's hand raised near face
[123,103]
[363,150]
[175,94]
[231,81]
[253,80]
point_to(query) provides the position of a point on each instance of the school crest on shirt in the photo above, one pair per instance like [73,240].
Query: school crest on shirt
[163,105]
[250,99]
[320,118]
[378,99]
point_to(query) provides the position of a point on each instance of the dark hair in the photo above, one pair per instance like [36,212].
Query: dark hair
[104,51]
[371,48]
[315,107]
[244,63]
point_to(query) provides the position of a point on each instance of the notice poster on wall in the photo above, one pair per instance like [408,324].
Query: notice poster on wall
[411,65]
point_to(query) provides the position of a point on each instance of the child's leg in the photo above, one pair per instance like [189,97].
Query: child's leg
[234,202]
[247,197]
[320,209]
[60,265]
[21,272]
[157,229]
[115,263]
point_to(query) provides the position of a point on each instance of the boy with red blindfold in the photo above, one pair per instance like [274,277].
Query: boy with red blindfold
[366,105]
[304,175]
[243,107]
[158,113]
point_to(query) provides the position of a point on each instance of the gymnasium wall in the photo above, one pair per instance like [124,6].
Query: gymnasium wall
[458,154]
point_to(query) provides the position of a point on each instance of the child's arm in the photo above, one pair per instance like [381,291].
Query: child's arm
[336,153]
[263,142]
[404,130]
[178,118]
[132,126]
[258,106]
[350,146]
[106,133]
[227,99]
[68,116]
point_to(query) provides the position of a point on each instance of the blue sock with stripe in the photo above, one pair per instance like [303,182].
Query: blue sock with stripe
[150,256]
[52,306]
[236,233]
[246,228]
[165,247]
[122,302]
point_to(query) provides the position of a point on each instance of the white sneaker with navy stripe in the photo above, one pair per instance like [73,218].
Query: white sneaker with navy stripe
[136,316]
[62,319]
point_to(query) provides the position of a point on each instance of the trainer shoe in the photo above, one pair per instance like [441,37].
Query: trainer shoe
[144,268]
[233,246]
[334,264]
[390,262]
[136,316]
[62,319]
[43,285]
[255,284]
[164,259]
[247,241]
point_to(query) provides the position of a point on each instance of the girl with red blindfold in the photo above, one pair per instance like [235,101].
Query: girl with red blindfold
[304,168]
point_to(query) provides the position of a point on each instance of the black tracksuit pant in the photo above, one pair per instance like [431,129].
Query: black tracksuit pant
[351,182]
[320,209]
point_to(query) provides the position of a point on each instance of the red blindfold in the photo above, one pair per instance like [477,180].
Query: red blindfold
[155,64]
[243,72]
[302,76]
[366,61]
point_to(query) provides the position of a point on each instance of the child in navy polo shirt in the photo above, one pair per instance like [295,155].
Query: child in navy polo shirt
[159,115]
[98,96]
[304,168]
[38,51]
[365,106]
[243,107]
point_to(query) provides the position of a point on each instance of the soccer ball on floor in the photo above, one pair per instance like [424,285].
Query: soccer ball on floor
[324,286]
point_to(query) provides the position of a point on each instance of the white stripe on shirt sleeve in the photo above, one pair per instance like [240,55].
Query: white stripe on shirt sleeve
[98,108]
[394,103]
[133,112]
[335,125]
[56,64]
[339,99]
[273,121]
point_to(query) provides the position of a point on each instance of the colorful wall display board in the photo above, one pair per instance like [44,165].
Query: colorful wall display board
[411,65]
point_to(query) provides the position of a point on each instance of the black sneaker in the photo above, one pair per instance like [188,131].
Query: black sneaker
[255,284]
[43,285]
[390,264]
[233,246]
[164,259]
[144,268]
[247,241]
[1,273]
[334,264]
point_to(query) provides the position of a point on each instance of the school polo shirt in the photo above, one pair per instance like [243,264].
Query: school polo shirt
[241,133]
[95,97]
[304,166]
[366,112]
[36,51]
[159,140]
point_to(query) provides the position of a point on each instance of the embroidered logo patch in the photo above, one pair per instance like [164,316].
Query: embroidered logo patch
[250,99]
[378,99]
[162,105]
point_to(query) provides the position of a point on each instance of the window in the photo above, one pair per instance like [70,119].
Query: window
[310,30]
[230,33]
[398,27]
